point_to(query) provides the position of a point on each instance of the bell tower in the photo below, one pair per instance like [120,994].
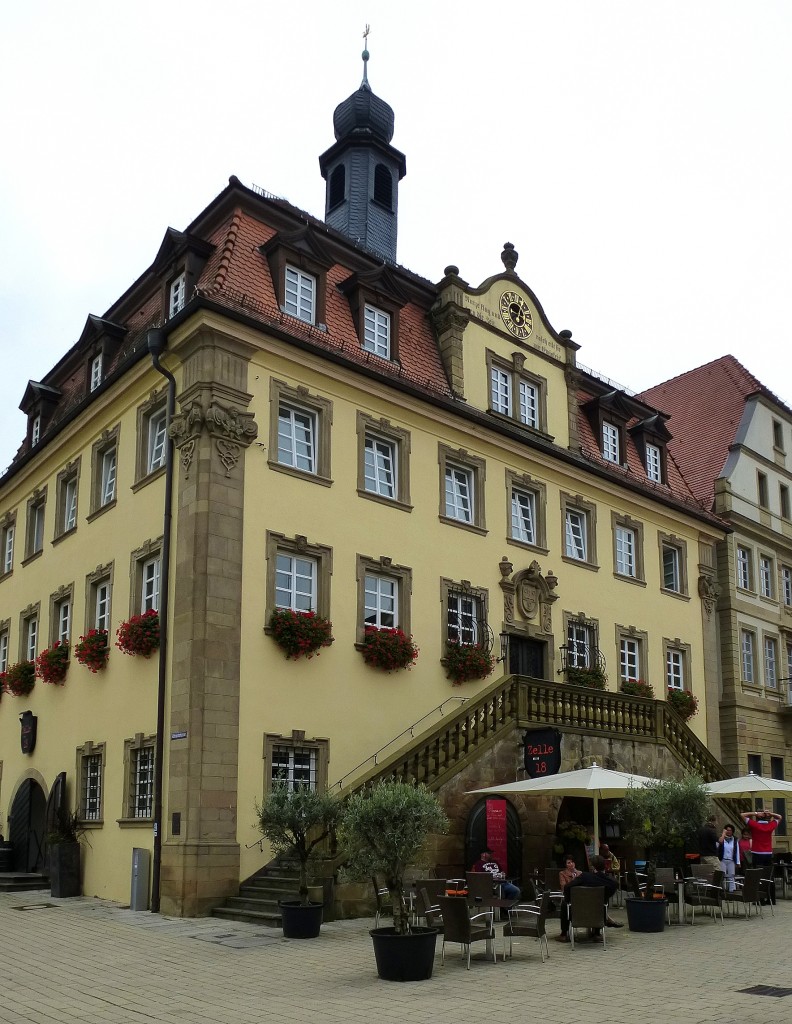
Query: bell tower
[362,171]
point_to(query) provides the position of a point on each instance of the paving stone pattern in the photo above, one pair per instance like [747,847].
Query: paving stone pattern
[93,962]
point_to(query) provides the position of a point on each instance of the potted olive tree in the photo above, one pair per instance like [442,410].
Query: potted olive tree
[660,819]
[63,840]
[383,830]
[297,821]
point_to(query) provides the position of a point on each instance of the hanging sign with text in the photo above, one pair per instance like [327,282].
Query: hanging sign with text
[542,752]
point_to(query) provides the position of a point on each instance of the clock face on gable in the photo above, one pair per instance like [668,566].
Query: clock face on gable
[515,314]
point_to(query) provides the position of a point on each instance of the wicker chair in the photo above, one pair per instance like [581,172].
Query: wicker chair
[528,920]
[462,927]
[384,900]
[479,883]
[703,895]
[748,892]
[429,911]
[587,909]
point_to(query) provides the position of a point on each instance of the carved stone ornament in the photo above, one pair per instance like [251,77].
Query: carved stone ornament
[709,592]
[530,592]
[231,429]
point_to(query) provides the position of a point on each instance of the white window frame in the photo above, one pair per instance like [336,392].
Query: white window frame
[766,576]
[177,294]
[31,637]
[103,592]
[747,656]
[576,534]
[626,548]
[63,620]
[285,769]
[500,390]
[298,452]
[629,658]
[579,644]
[4,639]
[35,431]
[529,398]
[654,463]
[674,557]
[8,547]
[296,582]
[96,371]
[786,585]
[150,572]
[610,442]
[156,440]
[141,782]
[380,601]
[69,504]
[37,512]
[459,493]
[91,785]
[107,491]
[770,648]
[523,515]
[464,611]
[377,331]
[299,294]
[743,568]
[380,466]
[675,668]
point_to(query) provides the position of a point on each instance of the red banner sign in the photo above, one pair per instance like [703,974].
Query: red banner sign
[496,832]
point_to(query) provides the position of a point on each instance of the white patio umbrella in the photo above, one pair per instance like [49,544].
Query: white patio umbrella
[595,782]
[746,787]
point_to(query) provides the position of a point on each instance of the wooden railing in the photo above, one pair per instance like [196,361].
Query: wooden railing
[436,755]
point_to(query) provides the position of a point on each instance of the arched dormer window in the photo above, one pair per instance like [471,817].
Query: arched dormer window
[383,186]
[337,192]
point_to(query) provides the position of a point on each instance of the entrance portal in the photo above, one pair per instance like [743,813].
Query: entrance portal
[526,657]
[476,837]
[27,827]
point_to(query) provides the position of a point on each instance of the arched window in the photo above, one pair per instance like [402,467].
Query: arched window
[383,186]
[337,187]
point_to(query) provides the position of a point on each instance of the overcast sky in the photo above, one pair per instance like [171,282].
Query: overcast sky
[636,153]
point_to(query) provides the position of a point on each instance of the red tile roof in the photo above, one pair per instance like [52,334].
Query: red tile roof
[706,406]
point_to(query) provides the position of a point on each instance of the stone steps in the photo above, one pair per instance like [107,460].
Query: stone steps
[22,881]
[257,902]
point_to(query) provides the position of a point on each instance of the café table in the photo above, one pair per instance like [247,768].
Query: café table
[492,904]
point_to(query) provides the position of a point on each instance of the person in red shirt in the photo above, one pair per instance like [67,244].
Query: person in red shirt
[762,824]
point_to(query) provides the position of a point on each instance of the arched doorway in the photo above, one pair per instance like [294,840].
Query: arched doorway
[476,836]
[27,827]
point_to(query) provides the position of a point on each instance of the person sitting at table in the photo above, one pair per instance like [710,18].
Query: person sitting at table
[508,891]
[596,877]
[612,864]
[569,872]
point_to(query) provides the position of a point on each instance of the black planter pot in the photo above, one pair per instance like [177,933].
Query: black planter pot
[404,957]
[646,915]
[65,870]
[299,921]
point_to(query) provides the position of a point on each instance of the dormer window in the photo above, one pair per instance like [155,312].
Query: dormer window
[35,431]
[654,465]
[376,331]
[611,446]
[177,294]
[300,295]
[96,372]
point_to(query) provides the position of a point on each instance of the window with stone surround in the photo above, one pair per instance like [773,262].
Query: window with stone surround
[98,594]
[66,505]
[526,504]
[462,480]
[579,521]
[90,773]
[139,779]
[7,536]
[61,613]
[465,610]
[632,645]
[676,656]
[383,462]
[748,656]
[515,392]
[34,538]
[152,438]
[628,560]
[145,573]
[384,592]
[298,575]
[673,565]
[300,432]
[295,761]
[29,632]
[104,464]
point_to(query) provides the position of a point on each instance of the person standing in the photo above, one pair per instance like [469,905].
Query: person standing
[762,824]
[745,848]
[729,854]
[708,843]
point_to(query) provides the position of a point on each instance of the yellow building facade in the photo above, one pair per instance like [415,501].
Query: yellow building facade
[348,439]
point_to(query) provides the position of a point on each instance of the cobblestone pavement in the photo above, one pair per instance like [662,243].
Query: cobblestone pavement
[92,961]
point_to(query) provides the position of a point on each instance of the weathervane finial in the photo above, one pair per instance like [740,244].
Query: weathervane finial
[365,57]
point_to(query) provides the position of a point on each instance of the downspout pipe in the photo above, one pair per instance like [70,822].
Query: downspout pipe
[157,340]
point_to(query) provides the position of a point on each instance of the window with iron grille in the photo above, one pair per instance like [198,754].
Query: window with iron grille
[90,770]
[581,643]
[464,613]
[140,777]
[294,766]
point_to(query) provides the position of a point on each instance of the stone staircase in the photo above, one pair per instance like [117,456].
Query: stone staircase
[22,881]
[257,902]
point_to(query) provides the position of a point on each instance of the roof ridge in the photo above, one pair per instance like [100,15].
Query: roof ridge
[226,254]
